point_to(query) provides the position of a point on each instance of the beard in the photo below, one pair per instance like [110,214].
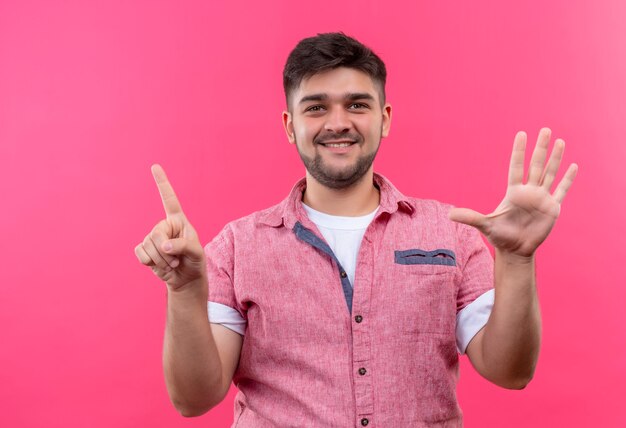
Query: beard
[337,178]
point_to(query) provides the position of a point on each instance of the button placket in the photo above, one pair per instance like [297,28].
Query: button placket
[306,235]
[361,334]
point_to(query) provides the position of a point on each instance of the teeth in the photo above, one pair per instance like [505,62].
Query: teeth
[338,145]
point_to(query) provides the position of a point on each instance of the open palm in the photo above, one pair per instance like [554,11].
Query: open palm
[528,211]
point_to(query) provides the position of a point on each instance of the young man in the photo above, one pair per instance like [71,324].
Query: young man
[348,303]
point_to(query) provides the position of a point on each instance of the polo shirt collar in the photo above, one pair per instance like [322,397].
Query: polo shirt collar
[290,210]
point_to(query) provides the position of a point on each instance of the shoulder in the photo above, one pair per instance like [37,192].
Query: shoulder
[430,207]
[431,212]
[268,217]
[250,225]
[418,208]
[434,215]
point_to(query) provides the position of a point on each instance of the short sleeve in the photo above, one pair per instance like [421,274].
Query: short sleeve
[476,269]
[472,318]
[475,293]
[219,255]
[226,316]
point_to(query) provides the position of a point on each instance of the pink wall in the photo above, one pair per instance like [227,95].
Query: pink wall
[93,93]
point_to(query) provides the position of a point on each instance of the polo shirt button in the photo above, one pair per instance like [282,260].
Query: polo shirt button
[343,274]
[362,371]
[358,318]
[364,421]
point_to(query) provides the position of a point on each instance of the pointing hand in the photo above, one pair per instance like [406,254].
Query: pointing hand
[172,249]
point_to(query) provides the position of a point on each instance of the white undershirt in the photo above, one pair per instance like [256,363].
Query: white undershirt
[344,236]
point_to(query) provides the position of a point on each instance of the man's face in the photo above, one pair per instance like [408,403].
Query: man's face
[336,121]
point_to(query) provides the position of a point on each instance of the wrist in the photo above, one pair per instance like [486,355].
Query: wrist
[514,259]
[193,290]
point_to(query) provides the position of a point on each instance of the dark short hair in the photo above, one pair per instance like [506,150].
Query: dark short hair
[328,51]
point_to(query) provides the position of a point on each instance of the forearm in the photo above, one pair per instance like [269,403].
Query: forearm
[190,358]
[512,337]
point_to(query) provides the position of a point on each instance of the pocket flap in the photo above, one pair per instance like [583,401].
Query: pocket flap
[416,256]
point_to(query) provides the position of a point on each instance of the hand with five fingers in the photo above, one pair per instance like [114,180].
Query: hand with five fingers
[528,211]
[172,249]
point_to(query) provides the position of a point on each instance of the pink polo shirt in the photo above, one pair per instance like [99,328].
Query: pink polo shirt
[318,352]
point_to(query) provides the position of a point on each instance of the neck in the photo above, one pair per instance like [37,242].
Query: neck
[359,199]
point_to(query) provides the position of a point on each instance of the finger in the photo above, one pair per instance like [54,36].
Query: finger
[516,167]
[159,273]
[170,201]
[159,236]
[538,159]
[469,217]
[143,257]
[553,164]
[154,254]
[566,183]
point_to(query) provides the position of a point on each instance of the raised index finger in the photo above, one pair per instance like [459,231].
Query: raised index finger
[170,201]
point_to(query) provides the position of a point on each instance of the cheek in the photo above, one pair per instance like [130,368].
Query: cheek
[300,136]
[370,129]
[304,132]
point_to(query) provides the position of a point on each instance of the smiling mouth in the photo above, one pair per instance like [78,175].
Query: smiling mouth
[338,144]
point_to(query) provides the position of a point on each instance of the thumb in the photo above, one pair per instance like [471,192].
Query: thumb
[469,217]
[183,247]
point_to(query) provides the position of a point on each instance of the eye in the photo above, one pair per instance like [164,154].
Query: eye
[358,106]
[314,109]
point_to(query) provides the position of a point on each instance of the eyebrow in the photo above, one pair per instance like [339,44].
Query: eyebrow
[350,96]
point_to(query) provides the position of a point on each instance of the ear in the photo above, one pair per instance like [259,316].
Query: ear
[386,120]
[288,125]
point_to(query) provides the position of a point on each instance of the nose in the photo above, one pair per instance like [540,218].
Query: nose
[338,121]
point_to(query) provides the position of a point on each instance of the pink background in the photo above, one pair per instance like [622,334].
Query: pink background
[93,93]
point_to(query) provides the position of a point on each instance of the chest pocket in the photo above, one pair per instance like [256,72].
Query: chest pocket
[426,278]
[439,257]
